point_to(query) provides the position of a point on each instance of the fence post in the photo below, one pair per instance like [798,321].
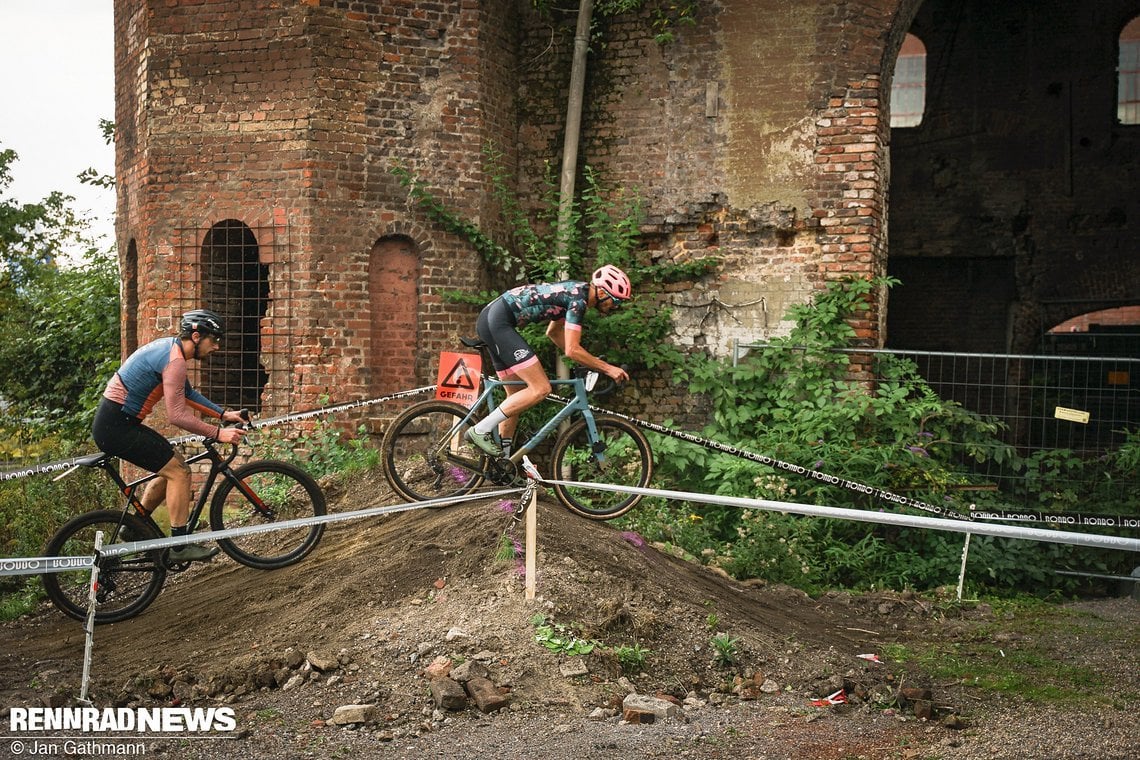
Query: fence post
[962,571]
[90,625]
[531,542]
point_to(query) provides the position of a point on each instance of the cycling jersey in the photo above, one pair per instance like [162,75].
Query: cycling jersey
[158,370]
[549,302]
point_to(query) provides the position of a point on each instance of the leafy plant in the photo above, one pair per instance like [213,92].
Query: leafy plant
[726,649]
[559,638]
[632,658]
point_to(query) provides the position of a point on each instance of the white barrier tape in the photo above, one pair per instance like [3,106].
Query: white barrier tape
[40,565]
[49,467]
[884,518]
[882,494]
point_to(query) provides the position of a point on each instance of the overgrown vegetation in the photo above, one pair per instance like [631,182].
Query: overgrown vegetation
[796,401]
[601,227]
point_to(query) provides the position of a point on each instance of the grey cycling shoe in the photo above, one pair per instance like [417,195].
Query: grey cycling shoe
[192,553]
[485,443]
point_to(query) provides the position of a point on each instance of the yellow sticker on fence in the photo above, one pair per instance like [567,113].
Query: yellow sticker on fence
[1072,415]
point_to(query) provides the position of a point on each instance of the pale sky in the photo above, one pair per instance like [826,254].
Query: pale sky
[57,59]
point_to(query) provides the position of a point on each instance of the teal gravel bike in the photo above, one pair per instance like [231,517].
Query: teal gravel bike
[426,456]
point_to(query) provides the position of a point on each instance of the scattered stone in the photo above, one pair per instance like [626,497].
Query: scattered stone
[953,721]
[447,694]
[465,671]
[352,714]
[457,633]
[915,694]
[487,696]
[574,666]
[769,686]
[440,667]
[322,661]
[484,656]
[923,709]
[601,713]
[626,685]
[294,682]
[639,708]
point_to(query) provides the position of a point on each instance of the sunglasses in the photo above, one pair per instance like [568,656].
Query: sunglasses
[616,302]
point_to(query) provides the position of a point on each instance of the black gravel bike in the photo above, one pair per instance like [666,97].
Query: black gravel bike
[256,493]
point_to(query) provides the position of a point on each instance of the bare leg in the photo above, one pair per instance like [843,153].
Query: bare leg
[520,399]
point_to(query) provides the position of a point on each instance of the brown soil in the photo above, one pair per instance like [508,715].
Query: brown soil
[383,594]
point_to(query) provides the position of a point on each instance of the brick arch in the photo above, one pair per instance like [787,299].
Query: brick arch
[393,294]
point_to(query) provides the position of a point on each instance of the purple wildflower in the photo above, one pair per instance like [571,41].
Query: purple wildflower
[458,475]
[633,538]
[917,450]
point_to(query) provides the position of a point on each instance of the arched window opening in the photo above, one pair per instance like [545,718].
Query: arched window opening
[393,288]
[130,298]
[908,87]
[236,285]
[1128,74]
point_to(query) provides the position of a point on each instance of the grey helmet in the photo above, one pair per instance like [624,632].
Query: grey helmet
[204,321]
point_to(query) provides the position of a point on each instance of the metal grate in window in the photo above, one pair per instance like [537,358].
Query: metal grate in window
[242,273]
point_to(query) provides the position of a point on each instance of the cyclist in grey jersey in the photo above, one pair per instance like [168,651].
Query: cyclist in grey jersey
[563,305]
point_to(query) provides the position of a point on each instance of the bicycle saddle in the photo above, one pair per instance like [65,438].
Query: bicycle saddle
[92,460]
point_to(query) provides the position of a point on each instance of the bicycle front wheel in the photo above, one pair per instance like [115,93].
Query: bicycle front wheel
[268,492]
[626,460]
[127,583]
[426,456]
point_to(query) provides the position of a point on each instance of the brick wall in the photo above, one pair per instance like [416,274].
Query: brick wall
[760,136]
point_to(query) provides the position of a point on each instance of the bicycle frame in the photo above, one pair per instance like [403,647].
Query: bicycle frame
[219,465]
[579,404]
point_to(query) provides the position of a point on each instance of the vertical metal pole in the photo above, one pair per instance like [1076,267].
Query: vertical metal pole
[531,542]
[90,625]
[962,572]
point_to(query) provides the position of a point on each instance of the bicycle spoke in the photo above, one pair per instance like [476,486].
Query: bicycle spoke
[426,456]
[127,584]
[625,460]
[269,492]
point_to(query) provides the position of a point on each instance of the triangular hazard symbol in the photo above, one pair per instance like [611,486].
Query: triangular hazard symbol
[459,377]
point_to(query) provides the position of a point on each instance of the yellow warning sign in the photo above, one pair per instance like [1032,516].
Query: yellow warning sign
[1072,415]
[458,379]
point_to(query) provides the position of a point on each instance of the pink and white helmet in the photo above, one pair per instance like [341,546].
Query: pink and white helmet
[612,280]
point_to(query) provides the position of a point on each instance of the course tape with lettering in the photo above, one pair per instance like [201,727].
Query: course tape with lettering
[49,467]
[882,518]
[1129,522]
[40,565]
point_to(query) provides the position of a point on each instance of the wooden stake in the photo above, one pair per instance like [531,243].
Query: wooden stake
[531,542]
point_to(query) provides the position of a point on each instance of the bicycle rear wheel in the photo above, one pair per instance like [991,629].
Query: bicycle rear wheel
[270,492]
[127,583]
[628,462]
[423,461]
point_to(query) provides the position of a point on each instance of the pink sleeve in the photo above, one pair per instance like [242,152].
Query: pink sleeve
[174,391]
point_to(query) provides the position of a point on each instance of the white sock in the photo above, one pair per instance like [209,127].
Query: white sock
[488,423]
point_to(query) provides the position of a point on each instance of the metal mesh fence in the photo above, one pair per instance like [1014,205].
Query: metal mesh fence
[1076,407]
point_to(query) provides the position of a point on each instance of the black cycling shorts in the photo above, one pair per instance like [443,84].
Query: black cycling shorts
[496,326]
[123,436]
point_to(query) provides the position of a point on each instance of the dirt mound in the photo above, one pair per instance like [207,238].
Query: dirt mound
[381,598]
